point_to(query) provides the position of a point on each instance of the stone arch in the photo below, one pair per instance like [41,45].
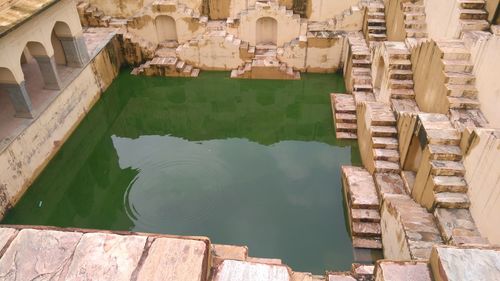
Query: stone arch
[40,70]
[266,31]
[166,28]
[13,96]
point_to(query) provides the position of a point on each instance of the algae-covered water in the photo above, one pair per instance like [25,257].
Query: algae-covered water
[247,162]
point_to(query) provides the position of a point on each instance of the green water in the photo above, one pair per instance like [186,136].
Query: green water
[243,162]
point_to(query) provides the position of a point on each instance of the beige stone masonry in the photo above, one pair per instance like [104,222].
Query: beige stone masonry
[387,270]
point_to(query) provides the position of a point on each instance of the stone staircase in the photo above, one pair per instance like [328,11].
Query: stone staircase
[359,71]
[440,179]
[363,206]
[472,15]
[460,84]
[344,113]
[169,66]
[377,137]
[374,26]
[265,65]
[414,19]
[92,16]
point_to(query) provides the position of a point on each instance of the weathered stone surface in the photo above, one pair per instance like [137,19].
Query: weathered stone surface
[408,230]
[464,263]
[302,276]
[408,180]
[265,260]
[360,188]
[6,234]
[175,259]
[457,225]
[365,215]
[36,253]
[101,256]
[389,183]
[363,272]
[228,252]
[399,271]
[231,270]
[340,276]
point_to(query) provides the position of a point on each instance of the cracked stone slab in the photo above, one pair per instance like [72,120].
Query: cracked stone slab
[175,259]
[360,188]
[465,263]
[107,257]
[6,234]
[396,270]
[458,225]
[34,254]
[389,183]
[231,270]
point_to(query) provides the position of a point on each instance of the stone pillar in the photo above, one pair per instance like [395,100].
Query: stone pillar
[20,99]
[48,69]
[75,51]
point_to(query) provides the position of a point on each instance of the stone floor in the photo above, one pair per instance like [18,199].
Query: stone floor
[11,126]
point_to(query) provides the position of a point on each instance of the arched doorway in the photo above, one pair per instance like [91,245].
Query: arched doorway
[166,29]
[60,33]
[39,69]
[14,100]
[267,31]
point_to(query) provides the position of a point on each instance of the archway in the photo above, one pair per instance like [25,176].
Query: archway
[14,100]
[60,32]
[166,29]
[39,69]
[266,31]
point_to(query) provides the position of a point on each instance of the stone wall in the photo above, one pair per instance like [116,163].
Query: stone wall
[486,58]
[482,166]
[28,154]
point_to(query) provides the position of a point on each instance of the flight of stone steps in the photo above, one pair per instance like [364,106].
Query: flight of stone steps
[414,19]
[359,72]
[362,204]
[92,16]
[265,65]
[169,66]
[344,113]
[440,179]
[460,84]
[374,26]
[473,15]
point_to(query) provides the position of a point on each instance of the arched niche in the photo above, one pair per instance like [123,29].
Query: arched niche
[166,28]
[266,31]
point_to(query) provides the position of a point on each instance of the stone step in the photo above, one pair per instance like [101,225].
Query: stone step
[400,84]
[384,131]
[268,261]
[468,91]
[366,63]
[364,243]
[414,16]
[402,94]
[386,167]
[390,155]
[346,136]
[464,103]
[457,65]
[365,215]
[453,50]
[366,229]
[339,276]
[231,270]
[346,127]
[195,72]
[377,37]
[447,168]
[342,103]
[385,143]
[376,15]
[389,184]
[404,105]
[445,152]
[457,227]
[361,71]
[403,270]
[451,200]
[362,79]
[345,118]
[401,64]
[449,184]
[408,180]
[363,97]
[415,33]
[474,25]
[473,14]
[377,29]
[415,24]
[409,7]
[401,74]
[472,4]
[376,22]
[362,87]
[359,188]
[462,118]
[459,78]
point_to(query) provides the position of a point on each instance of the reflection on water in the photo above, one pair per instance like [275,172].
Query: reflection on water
[243,162]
